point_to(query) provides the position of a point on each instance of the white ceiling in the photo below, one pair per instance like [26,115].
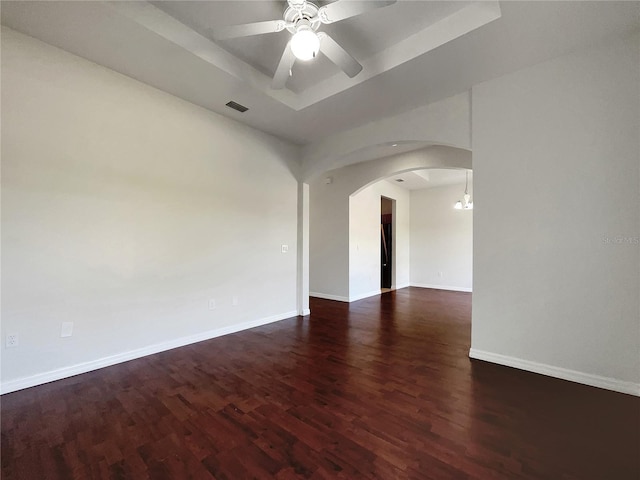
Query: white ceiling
[430,178]
[413,52]
[364,36]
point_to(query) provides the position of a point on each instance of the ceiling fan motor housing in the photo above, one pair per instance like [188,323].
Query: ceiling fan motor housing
[306,15]
[297,4]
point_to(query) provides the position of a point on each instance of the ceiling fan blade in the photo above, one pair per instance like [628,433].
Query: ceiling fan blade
[284,67]
[339,55]
[336,11]
[248,29]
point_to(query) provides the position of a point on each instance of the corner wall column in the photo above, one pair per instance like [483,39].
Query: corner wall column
[303,249]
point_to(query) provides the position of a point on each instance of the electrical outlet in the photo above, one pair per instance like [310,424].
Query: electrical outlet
[285,248]
[440,274]
[12,340]
[235,300]
[212,304]
[67,329]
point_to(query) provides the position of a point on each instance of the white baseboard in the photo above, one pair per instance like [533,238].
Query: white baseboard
[304,312]
[442,287]
[398,287]
[328,296]
[65,372]
[355,298]
[607,383]
[373,293]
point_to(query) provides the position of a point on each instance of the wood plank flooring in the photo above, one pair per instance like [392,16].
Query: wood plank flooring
[379,389]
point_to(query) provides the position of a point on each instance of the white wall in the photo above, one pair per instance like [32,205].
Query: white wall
[328,241]
[446,122]
[329,212]
[124,210]
[364,239]
[556,170]
[441,239]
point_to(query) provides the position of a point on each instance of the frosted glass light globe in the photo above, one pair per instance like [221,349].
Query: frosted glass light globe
[305,44]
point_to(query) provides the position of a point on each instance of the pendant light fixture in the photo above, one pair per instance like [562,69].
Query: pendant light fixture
[465,204]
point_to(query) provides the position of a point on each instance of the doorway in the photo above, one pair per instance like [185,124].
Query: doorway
[386,243]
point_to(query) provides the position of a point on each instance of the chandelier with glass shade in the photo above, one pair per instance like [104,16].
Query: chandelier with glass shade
[466,203]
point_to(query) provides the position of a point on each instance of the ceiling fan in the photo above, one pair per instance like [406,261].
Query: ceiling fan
[302,19]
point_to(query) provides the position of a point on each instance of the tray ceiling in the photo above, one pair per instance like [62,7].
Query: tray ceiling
[413,52]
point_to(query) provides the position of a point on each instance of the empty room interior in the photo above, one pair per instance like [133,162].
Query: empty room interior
[355,239]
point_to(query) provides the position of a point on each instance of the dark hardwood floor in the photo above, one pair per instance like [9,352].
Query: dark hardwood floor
[382,388]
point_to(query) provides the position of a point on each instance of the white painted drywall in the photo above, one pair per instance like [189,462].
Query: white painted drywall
[441,239]
[364,239]
[303,249]
[328,240]
[556,157]
[329,211]
[124,210]
[446,122]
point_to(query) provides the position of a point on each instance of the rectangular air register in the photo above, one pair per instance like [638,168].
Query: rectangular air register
[237,106]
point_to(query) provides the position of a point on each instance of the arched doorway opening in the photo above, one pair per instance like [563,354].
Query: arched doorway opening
[330,236]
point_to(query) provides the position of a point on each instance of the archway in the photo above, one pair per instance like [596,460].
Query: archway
[329,211]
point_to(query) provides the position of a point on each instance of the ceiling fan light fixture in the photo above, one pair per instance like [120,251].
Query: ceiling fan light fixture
[302,18]
[305,44]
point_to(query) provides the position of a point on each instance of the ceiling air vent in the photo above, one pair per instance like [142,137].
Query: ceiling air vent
[237,106]
[399,180]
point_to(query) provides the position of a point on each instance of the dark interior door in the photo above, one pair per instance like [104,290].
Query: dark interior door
[385,252]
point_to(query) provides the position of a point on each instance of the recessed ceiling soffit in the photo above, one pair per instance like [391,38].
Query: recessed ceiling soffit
[471,16]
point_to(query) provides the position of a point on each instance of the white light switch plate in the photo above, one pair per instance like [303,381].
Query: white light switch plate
[67,329]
